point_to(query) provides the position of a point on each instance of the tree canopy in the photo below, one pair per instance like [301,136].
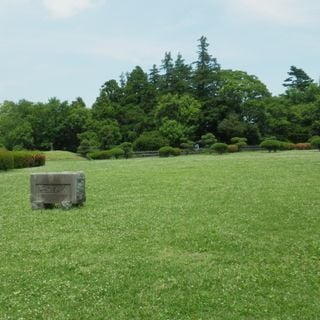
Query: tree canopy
[175,102]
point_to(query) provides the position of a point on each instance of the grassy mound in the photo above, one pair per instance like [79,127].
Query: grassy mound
[62,155]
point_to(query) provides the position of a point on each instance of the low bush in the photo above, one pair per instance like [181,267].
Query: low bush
[176,152]
[303,146]
[6,160]
[287,146]
[150,141]
[239,141]
[313,138]
[25,159]
[233,148]
[127,149]
[271,145]
[167,151]
[99,155]
[116,153]
[21,159]
[315,143]
[39,159]
[220,147]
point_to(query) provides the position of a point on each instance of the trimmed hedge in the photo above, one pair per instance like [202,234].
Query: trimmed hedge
[167,151]
[303,146]
[6,160]
[114,153]
[271,145]
[220,147]
[316,143]
[233,148]
[21,159]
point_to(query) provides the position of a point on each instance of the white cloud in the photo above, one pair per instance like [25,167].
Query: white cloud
[283,12]
[62,9]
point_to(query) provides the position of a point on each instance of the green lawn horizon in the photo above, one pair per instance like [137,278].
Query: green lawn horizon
[232,236]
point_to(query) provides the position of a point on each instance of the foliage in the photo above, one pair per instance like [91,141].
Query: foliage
[99,155]
[287,146]
[239,141]
[298,79]
[303,146]
[116,153]
[220,147]
[233,148]
[176,101]
[6,160]
[21,159]
[167,151]
[86,146]
[26,159]
[316,143]
[150,141]
[208,139]
[127,149]
[174,131]
[271,145]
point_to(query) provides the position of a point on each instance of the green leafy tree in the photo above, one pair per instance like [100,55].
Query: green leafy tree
[109,135]
[230,127]
[174,131]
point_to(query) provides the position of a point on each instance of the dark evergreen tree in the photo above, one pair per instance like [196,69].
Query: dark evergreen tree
[181,76]
[206,73]
[298,79]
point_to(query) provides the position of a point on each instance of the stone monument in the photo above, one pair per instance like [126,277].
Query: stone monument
[57,188]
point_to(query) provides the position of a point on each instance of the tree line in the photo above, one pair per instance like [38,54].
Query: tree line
[175,103]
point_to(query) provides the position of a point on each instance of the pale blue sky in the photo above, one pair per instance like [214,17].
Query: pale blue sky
[69,48]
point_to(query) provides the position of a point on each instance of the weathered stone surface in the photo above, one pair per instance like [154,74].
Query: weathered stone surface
[63,188]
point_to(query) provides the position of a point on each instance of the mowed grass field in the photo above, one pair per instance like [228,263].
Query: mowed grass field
[234,236]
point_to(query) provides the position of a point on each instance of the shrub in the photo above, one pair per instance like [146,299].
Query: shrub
[22,159]
[150,141]
[220,147]
[316,143]
[25,159]
[313,138]
[233,148]
[176,152]
[116,153]
[6,160]
[87,146]
[187,146]
[303,146]
[208,140]
[99,155]
[271,145]
[127,149]
[167,151]
[39,159]
[287,146]
[239,141]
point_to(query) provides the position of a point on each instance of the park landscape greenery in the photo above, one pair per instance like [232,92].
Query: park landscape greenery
[174,104]
[201,236]
[232,236]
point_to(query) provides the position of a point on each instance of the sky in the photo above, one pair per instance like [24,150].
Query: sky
[70,48]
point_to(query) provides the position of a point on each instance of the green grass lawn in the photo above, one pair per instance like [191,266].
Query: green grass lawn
[234,236]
